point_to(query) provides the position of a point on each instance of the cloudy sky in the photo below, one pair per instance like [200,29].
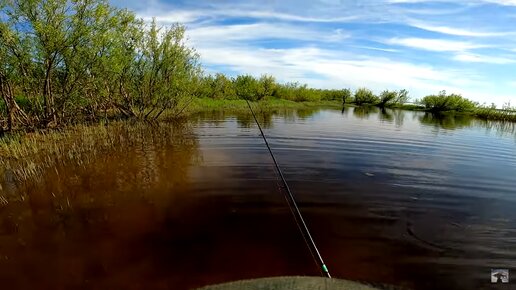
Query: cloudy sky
[467,47]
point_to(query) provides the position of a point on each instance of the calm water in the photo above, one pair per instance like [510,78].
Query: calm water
[400,198]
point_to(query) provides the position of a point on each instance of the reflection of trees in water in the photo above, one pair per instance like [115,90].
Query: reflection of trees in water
[451,122]
[393,115]
[287,114]
[399,117]
[247,120]
[386,115]
[264,114]
[209,117]
[445,121]
[266,117]
[306,113]
[499,127]
[345,111]
[363,112]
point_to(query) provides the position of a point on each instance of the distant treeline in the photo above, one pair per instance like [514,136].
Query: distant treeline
[255,89]
[65,61]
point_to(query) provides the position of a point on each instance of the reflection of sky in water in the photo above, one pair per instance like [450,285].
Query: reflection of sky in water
[453,179]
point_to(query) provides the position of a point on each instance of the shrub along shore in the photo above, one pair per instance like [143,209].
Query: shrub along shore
[83,61]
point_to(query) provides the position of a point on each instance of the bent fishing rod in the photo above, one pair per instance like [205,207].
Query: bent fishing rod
[291,201]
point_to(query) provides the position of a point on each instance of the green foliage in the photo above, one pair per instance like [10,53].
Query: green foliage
[267,86]
[443,102]
[387,98]
[365,96]
[247,87]
[82,58]
[216,87]
[346,96]
[507,113]
[298,93]
[343,95]
[288,91]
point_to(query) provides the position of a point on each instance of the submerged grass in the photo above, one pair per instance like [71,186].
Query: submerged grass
[25,156]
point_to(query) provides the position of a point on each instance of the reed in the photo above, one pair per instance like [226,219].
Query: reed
[506,114]
[27,156]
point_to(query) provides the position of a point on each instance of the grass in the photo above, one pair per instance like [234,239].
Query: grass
[507,114]
[269,104]
[28,155]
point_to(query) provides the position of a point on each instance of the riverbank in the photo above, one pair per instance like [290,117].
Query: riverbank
[273,104]
[268,104]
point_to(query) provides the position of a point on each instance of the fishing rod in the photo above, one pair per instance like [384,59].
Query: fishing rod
[291,201]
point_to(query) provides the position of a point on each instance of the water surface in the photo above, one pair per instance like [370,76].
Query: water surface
[391,197]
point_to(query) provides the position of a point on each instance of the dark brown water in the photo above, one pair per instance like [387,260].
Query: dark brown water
[401,198]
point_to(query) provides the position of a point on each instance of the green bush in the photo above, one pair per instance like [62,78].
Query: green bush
[365,96]
[443,102]
[247,87]
[387,98]
[287,91]
[343,95]
[298,93]
[267,86]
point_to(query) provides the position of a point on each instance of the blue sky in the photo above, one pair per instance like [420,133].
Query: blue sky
[466,47]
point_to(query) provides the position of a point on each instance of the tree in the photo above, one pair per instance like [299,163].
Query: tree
[246,87]
[66,59]
[266,86]
[387,98]
[444,102]
[402,97]
[365,96]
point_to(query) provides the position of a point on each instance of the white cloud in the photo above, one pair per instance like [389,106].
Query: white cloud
[335,69]
[262,31]
[189,16]
[470,57]
[433,44]
[456,31]
[502,2]
[172,17]
[377,48]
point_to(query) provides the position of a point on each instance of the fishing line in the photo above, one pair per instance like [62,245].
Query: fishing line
[291,201]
